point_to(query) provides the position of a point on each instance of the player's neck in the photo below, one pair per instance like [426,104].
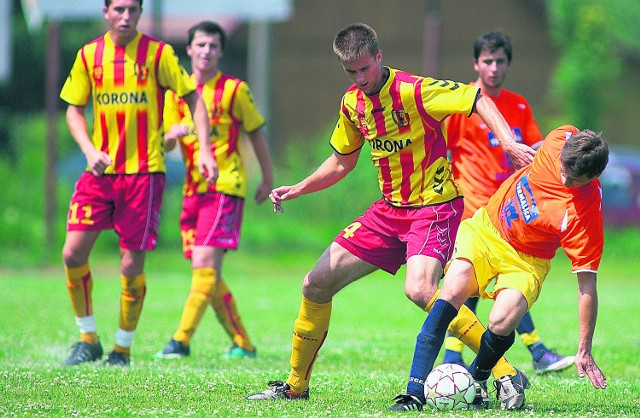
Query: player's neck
[122,40]
[202,77]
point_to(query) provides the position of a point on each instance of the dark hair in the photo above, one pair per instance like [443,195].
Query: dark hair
[354,40]
[585,153]
[210,28]
[107,3]
[492,41]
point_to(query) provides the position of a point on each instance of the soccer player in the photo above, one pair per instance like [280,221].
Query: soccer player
[555,202]
[212,214]
[480,166]
[125,73]
[400,116]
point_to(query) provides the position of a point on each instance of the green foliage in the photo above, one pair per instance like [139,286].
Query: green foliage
[592,37]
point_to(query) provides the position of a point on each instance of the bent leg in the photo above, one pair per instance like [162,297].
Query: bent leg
[335,269]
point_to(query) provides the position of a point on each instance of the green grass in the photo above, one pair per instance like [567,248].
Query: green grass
[363,364]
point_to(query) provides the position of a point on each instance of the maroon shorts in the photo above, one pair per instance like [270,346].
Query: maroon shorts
[127,203]
[210,219]
[386,236]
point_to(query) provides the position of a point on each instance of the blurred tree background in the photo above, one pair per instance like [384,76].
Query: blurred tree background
[598,46]
[598,40]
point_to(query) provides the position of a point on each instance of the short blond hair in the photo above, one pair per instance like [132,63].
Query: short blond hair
[355,40]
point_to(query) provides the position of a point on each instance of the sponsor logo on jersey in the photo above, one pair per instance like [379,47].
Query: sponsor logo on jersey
[527,203]
[516,133]
[389,145]
[125,97]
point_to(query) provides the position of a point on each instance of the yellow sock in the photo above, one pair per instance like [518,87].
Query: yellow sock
[530,337]
[133,292]
[226,310]
[453,344]
[203,283]
[309,332]
[79,286]
[467,328]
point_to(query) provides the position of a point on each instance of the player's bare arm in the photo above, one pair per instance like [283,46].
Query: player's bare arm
[97,160]
[176,132]
[206,163]
[520,154]
[261,150]
[588,313]
[331,171]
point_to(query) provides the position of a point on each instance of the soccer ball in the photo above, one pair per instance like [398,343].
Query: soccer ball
[449,387]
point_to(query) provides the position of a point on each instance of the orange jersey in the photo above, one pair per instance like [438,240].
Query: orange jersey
[537,214]
[479,163]
[231,109]
[403,124]
[127,86]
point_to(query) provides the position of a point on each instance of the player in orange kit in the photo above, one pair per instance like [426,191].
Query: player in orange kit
[555,202]
[125,73]
[480,166]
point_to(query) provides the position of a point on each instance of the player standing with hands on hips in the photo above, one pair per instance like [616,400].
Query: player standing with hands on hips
[400,115]
[480,166]
[212,213]
[125,73]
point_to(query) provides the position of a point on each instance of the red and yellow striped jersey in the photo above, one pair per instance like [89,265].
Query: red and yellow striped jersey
[403,124]
[127,86]
[479,163]
[230,108]
[536,213]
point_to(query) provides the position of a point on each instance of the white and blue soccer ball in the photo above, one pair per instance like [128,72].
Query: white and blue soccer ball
[449,387]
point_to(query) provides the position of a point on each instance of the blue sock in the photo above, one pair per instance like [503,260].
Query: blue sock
[428,344]
[526,324]
[492,347]
[537,350]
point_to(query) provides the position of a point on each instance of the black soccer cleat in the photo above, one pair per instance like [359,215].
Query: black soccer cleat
[83,352]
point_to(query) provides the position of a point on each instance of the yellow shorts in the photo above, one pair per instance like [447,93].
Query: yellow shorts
[492,257]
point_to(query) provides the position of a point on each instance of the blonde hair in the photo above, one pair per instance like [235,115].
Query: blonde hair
[355,40]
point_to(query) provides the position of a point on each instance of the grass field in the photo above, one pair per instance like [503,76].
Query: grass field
[363,364]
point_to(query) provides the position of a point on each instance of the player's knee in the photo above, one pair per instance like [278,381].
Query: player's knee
[317,287]
[72,258]
[420,295]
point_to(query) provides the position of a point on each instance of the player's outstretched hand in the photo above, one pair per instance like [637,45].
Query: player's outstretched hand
[280,194]
[587,365]
[520,154]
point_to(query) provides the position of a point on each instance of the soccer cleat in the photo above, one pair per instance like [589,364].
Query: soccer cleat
[510,390]
[173,349]
[236,352]
[83,352]
[278,390]
[406,402]
[552,362]
[117,359]
[481,400]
